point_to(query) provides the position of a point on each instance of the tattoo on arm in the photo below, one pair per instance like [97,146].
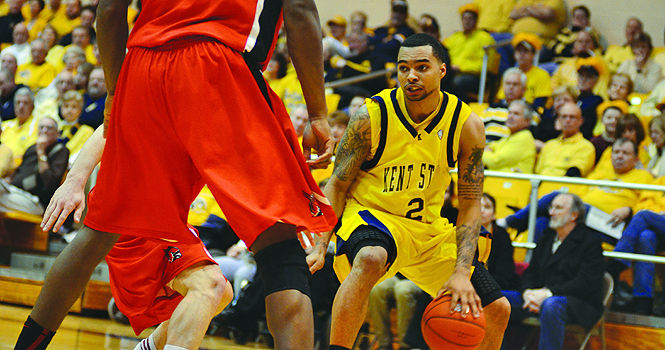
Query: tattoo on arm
[354,147]
[467,236]
[472,176]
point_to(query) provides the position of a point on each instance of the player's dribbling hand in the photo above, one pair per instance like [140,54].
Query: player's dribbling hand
[107,112]
[67,198]
[463,293]
[317,137]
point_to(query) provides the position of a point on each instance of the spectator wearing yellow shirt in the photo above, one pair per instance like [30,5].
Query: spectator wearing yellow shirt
[585,46]
[49,98]
[644,72]
[494,15]
[55,51]
[609,113]
[466,53]
[615,55]
[64,25]
[628,127]
[517,151]
[35,18]
[81,39]
[538,83]
[88,16]
[37,74]
[20,133]
[72,133]
[569,154]
[542,17]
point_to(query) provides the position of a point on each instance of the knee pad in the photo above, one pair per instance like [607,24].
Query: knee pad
[486,286]
[283,266]
[365,236]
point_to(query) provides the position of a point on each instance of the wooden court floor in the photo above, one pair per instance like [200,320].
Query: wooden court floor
[88,333]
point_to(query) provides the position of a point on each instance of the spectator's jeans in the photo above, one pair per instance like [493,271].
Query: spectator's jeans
[643,235]
[553,316]
[520,219]
[402,293]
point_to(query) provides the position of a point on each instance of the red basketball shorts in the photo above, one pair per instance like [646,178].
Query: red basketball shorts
[140,269]
[192,113]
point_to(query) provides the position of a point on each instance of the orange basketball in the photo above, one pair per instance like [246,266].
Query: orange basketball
[443,330]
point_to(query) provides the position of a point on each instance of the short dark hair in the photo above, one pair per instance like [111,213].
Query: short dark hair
[621,140]
[422,39]
[642,38]
[583,9]
[491,199]
[577,206]
[630,122]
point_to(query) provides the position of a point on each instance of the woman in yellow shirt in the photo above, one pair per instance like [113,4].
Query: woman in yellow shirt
[73,134]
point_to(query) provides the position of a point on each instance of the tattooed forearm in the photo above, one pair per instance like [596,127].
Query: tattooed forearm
[467,240]
[354,147]
[473,172]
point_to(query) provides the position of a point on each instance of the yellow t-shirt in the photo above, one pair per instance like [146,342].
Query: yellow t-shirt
[36,27]
[615,55]
[36,76]
[514,153]
[466,52]
[566,74]
[19,137]
[6,161]
[547,30]
[63,25]
[494,15]
[75,135]
[54,57]
[559,154]
[608,199]
[538,84]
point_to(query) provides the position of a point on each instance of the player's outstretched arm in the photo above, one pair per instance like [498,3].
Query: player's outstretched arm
[112,33]
[303,30]
[353,150]
[470,190]
[70,196]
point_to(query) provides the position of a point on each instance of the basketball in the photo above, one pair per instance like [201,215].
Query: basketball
[443,330]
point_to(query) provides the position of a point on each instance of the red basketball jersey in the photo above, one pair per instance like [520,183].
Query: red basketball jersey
[249,26]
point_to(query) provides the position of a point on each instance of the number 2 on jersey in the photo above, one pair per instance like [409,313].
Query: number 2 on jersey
[412,214]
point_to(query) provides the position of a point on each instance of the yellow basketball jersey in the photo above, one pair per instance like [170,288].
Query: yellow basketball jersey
[408,170]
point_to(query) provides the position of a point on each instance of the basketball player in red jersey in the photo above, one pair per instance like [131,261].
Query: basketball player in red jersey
[190,108]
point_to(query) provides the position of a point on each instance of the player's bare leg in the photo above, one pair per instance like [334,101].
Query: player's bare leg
[206,292]
[350,306]
[288,312]
[69,275]
[497,314]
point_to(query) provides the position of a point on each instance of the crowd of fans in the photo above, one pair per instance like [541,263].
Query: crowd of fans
[562,102]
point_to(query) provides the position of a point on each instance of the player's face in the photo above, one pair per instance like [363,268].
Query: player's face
[71,110]
[419,72]
[486,211]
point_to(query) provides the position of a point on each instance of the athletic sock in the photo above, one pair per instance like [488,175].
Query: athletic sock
[333,347]
[173,347]
[146,344]
[33,336]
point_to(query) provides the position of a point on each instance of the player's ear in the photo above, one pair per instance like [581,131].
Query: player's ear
[443,70]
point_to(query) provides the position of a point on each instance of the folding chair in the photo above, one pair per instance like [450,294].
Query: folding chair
[608,289]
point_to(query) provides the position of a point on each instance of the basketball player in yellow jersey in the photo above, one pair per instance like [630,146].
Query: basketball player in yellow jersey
[387,188]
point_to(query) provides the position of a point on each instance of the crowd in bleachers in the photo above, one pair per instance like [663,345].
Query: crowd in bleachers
[562,102]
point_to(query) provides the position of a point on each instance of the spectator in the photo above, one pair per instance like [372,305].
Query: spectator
[494,118]
[335,41]
[88,14]
[466,53]
[430,26]
[617,203]
[569,154]
[609,112]
[387,39]
[359,23]
[642,70]
[538,82]
[338,120]
[628,127]
[500,263]
[361,61]
[6,160]
[620,87]
[589,71]
[548,128]
[299,119]
[617,54]
[74,56]
[9,21]
[494,15]
[19,133]
[39,175]
[356,102]
[94,99]
[20,47]
[656,164]
[650,105]
[397,291]
[564,281]
[81,78]
[55,51]
[585,46]
[562,45]
[63,25]
[81,37]
[35,22]
[517,151]
[8,63]
[72,133]
[38,73]
[542,17]
[49,99]
[8,88]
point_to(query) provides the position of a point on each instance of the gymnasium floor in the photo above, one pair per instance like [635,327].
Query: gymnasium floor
[87,333]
